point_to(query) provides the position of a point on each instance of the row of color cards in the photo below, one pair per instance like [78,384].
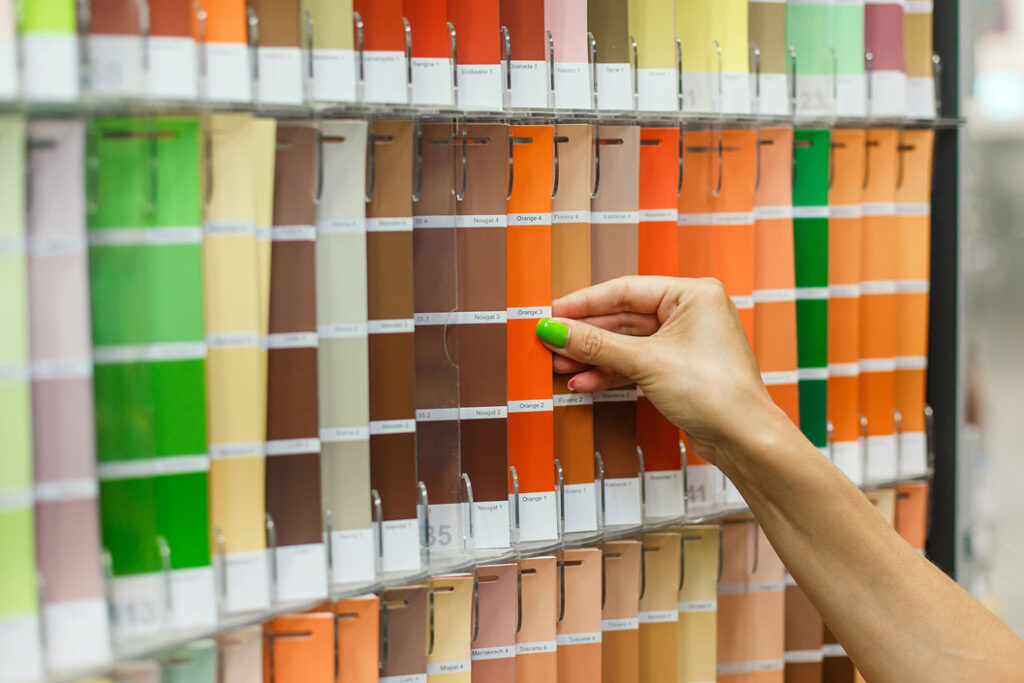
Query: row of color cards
[687,605]
[866,57]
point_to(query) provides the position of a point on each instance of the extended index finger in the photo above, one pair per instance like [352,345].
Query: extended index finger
[632,293]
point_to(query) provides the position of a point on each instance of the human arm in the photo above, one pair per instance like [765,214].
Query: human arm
[680,340]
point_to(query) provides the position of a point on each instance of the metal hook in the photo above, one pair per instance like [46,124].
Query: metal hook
[476,605]
[511,166]
[682,151]
[830,440]
[682,562]
[864,432]
[757,547]
[929,438]
[357,20]
[453,49]
[377,508]
[554,184]
[792,83]
[643,570]
[407,32]
[757,160]
[756,53]
[371,162]
[721,163]
[680,99]
[506,42]
[201,16]
[253,24]
[901,151]
[561,590]
[519,599]
[461,194]
[721,551]
[560,489]
[207,164]
[308,17]
[867,161]
[937,78]
[417,147]
[636,72]
[430,613]
[604,573]
[869,68]
[468,498]
[318,193]
[721,99]
[382,645]
[592,43]
[551,59]
[595,131]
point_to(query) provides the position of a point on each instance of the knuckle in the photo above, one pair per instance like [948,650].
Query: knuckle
[591,345]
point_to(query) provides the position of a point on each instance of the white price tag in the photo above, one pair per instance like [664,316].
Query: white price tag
[701,485]
[444,533]
[138,605]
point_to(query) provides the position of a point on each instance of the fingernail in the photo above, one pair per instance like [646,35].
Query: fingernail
[553,332]
[571,384]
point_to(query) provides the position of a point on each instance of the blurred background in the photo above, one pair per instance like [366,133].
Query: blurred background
[991,467]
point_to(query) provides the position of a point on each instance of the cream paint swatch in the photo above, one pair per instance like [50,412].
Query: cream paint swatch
[729,31]
[698,604]
[656,76]
[235,367]
[343,362]
[699,58]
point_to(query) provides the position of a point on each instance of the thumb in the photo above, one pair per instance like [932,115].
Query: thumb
[591,345]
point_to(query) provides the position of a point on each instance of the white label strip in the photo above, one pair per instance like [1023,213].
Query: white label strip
[805,293]
[748,667]
[382,427]
[843,369]
[427,222]
[768,213]
[528,219]
[659,616]
[771,296]
[483,412]
[293,233]
[126,237]
[735,218]
[16,500]
[395,326]
[833,650]
[563,400]
[694,219]
[877,364]
[918,7]
[499,652]
[435,668]
[344,434]
[481,221]
[766,586]
[440,318]
[389,224]
[810,212]
[223,340]
[58,368]
[614,396]
[845,211]
[812,373]
[229,228]
[625,624]
[478,317]
[15,373]
[803,656]
[238,449]
[878,208]
[877,287]
[66,490]
[292,446]
[292,340]
[742,302]
[539,405]
[352,226]
[911,363]
[528,313]
[51,245]
[847,291]
[437,414]
[614,217]
[406,678]
[913,286]
[658,215]
[536,647]
[578,638]
[780,377]
[342,331]
[149,353]
[133,469]
[570,217]
[732,588]
[698,606]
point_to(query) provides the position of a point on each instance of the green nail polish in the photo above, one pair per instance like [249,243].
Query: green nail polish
[553,332]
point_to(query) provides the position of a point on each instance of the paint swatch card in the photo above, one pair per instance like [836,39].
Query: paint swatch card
[912,514]
[913,272]
[19,603]
[240,655]
[392,351]
[851,86]
[657,438]
[236,391]
[698,604]
[657,75]
[579,619]
[766,20]
[809,29]
[49,51]
[404,620]
[357,627]
[384,68]
[695,244]
[63,419]
[448,657]
[614,251]
[811,149]
[279,74]
[481,190]
[620,611]
[117,63]
[342,353]
[192,663]
[570,271]
[608,22]
[659,612]
[804,636]
[566,24]
[437,352]
[525,55]
[293,417]
[878,295]
[172,56]
[699,57]
[536,635]
[329,36]
[845,249]
[494,631]
[729,31]
[883,41]
[224,43]
[528,298]
[478,53]
[917,57]
[299,647]
[775,345]
[431,52]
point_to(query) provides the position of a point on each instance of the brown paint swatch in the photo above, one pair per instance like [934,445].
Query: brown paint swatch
[494,642]
[293,465]
[279,22]
[481,321]
[389,248]
[437,374]
[405,622]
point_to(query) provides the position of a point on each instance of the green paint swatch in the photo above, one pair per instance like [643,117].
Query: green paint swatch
[848,38]
[810,251]
[809,30]
[48,16]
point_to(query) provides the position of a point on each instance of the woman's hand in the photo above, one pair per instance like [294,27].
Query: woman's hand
[679,339]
